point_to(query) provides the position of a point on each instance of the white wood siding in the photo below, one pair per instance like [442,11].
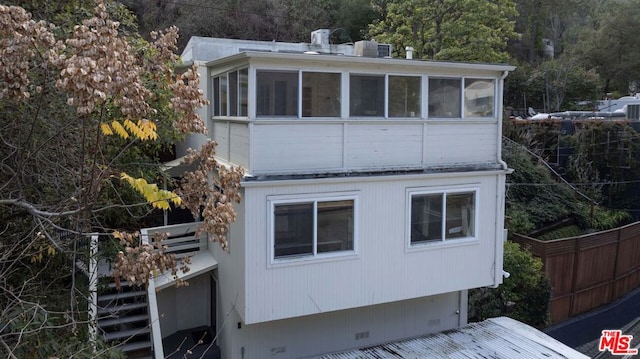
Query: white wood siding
[233,141]
[465,143]
[239,144]
[305,146]
[371,145]
[330,332]
[296,147]
[384,269]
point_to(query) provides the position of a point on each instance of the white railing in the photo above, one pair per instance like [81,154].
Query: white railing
[182,242]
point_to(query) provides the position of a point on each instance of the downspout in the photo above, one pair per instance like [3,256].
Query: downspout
[500,119]
[500,201]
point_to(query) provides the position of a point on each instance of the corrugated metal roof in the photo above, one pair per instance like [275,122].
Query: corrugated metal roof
[493,338]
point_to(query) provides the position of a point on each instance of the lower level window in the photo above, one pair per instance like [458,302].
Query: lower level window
[442,216]
[311,228]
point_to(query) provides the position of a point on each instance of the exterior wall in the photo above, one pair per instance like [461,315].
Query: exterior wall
[176,314]
[336,331]
[230,277]
[384,269]
[303,146]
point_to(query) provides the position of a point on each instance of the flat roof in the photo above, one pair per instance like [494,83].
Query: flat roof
[498,338]
[350,59]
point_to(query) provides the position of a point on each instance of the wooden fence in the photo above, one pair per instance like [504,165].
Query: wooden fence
[588,271]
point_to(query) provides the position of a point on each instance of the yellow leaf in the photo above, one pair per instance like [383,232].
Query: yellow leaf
[51,251]
[117,127]
[106,130]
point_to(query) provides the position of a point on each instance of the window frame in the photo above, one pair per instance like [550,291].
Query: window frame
[232,100]
[421,96]
[443,241]
[464,97]
[273,201]
[460,80]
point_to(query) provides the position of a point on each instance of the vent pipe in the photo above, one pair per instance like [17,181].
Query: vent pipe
[409,50]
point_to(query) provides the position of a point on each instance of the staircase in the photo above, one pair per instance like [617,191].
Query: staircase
[123,319]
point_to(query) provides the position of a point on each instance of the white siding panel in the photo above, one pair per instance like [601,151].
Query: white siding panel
[296,148]
[383,146]
[329,332]
[239,144]
[221,136]
[384,270]
[451,143]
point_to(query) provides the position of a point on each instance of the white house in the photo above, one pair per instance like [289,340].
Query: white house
[373,198]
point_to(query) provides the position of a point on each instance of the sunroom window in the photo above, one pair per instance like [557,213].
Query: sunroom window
[320,94]
[479,98]
[277,93]
[366,95]
[404,96]
[437,217]
[312,228]
[229,95]
[445,97]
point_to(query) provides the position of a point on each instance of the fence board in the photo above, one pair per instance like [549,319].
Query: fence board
[588,271]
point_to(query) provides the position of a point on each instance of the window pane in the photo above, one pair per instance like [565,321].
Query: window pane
[244,90]
[460,215]
[478,98]
[233,93]
[335,226]
[277,93]
[404,96]
[320,94]
[223,95]
[366,95]
[426,218]
[444,97]
[216,96]
[293,232]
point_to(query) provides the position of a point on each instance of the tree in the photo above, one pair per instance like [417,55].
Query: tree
[474,30]
[87,112]
[610,46]
[272,20]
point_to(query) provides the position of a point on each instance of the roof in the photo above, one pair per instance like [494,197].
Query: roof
[497,338]
[360,60]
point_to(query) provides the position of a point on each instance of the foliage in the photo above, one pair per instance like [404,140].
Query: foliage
[474,30]
[606,153]
[87,111]
[524,296]
[274,20]
[609,45]
[535,199]
[554,85]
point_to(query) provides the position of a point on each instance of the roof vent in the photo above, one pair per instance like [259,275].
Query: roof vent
[320,37]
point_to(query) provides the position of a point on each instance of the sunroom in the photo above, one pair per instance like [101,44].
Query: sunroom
[332,113]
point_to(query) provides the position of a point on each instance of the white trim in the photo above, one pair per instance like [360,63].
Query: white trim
[443,242]
[314,198]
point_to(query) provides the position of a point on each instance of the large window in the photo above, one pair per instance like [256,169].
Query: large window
[366,95]
[445,97]
[441,216]
[478,98]
[277,93]
[313,228]
[404,96]
[320,94]
[229,95]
